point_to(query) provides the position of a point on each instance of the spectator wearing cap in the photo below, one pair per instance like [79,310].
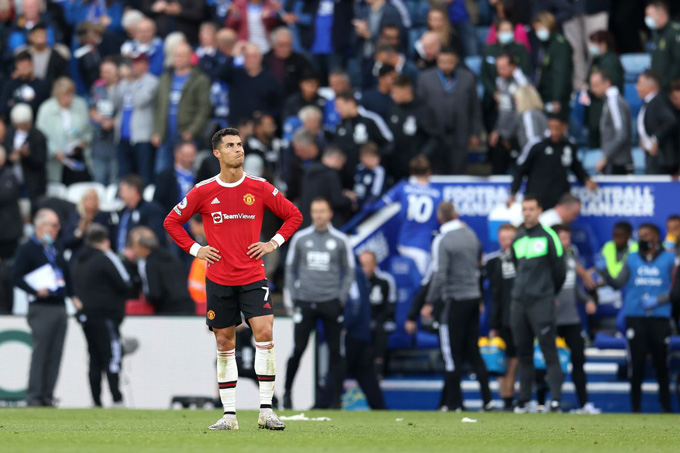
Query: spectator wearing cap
[252,88]
[24,86]
[378,99]
[253,20]
[286,65]
[32,14]
[27,152]
[308,94]
[182,16]
[182,106]
[146,42]
[133,100]
[48,63]
[102,115]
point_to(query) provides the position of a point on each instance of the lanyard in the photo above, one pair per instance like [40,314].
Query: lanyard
[49,251]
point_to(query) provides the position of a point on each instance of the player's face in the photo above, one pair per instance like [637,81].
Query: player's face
[531,210]
[505,238]
[368,264]
[321,214]
[230,152]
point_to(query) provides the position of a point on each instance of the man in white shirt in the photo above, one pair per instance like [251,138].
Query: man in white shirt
[565,211]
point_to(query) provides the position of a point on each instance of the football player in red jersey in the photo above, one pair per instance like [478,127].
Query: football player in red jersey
[232,205]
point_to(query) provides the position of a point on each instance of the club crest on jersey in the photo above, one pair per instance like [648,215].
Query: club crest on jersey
[249,199]
[210,315]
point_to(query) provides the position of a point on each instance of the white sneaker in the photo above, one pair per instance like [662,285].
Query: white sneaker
[590,409]
[226,423]
[269,420]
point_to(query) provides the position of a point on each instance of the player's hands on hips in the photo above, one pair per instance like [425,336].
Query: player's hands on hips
[257,250]
[209,254]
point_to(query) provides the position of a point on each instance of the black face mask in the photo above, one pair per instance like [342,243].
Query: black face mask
[646,246]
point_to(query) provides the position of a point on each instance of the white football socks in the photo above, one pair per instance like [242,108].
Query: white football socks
[265,368]
[227,375]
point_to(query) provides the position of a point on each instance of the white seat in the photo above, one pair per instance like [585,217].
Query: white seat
[77,190]
[57,190]
[149,192]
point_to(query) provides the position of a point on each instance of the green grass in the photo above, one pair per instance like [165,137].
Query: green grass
[130,431]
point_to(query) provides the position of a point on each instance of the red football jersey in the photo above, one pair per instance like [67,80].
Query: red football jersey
[232,218]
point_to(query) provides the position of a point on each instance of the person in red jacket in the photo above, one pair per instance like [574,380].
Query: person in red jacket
[242,18]
[232,205]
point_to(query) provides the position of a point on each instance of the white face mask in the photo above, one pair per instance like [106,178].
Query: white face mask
[543,34]
[506,37]
[650,22]
[47,237]
[594,50]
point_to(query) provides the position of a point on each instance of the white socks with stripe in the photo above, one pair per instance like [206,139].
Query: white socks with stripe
[227,375]
[265,369]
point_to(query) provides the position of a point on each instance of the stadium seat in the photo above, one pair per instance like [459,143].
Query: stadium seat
[77,190]
[590,157]
[57,190]
[149,192]
[474,64]
[635,64]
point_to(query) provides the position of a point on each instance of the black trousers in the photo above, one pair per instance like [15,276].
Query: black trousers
[458,337]
[48,323]
[380,338]
[573,336]
[103,344]
[648,335]
[360,367]
[306,315]
[529,320]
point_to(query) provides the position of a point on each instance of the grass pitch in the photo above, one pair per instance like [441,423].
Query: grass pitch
[132,431]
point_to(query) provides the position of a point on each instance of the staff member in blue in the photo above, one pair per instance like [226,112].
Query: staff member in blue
[646,276]
[46,312]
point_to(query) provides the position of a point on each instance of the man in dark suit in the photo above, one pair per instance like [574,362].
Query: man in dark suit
[27,147]
[137,212]
[24,86]
[656,125]
[451,90]
[172,184]
[164,280]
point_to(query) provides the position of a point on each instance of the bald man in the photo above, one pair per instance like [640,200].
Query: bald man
[182,106]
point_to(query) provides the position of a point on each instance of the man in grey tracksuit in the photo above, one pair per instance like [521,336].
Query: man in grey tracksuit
[456,260]
[319,273]
[540,266]
[615,127]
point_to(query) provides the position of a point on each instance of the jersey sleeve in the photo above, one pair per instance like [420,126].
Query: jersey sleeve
[284,209]
[181,214]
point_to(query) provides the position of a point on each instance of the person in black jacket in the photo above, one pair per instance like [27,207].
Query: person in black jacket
[500,270]
[24,86]
[103,285]
[413,127]
[10,216]
[545,164]
[377,99]
[322,179]
[49,63]
[47,310]
[357,127]
[164,280]
[308,94]
[286,65]
[173,183]
[27,147]
[136,212]
[540,273]
[76,224]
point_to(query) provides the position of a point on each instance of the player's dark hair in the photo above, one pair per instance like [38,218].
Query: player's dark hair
[134,181]
[96,234]
[532,197]
[24,55]
[419,166]
[369,148]
[569,199]
[216,139]
[652,76]
[561,228]
[650,226]
[403,81]
[347,96]
[626,227]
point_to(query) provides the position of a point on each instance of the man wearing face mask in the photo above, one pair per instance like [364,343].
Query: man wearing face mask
[506,45]
[46,311]
[555,65]
[647,276]
[665,42]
